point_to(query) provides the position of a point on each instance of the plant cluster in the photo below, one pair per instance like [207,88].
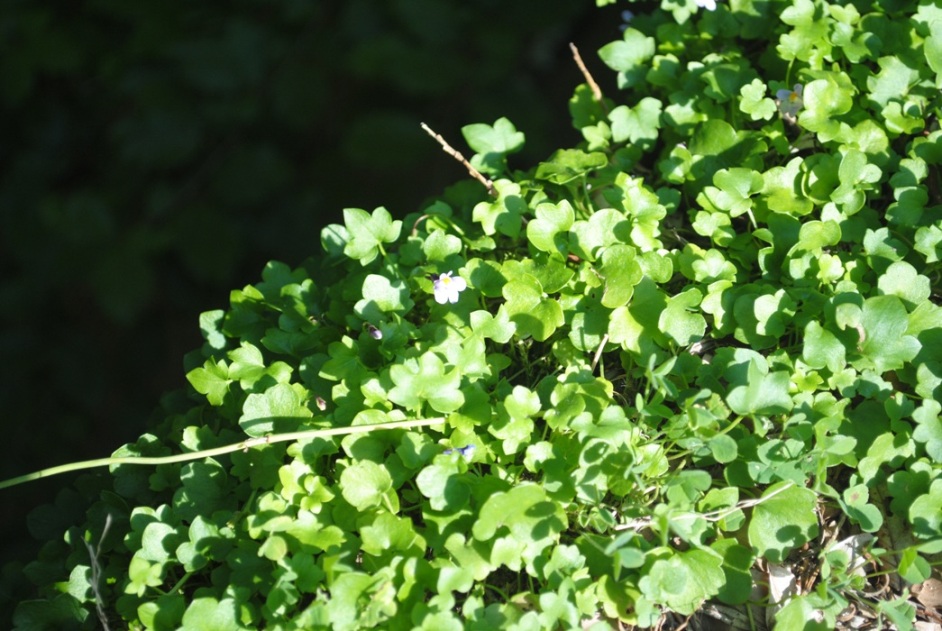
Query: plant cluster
[155,156]
[655,373]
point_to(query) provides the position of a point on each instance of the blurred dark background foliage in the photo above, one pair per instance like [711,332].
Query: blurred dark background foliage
[156,155]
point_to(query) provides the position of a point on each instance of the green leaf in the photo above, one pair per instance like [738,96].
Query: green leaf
[733,190]
[211,323]
[165,612]
[208,614]
[334,239]
[549,231]
[815,235]
[822,348]
[501,137]
[705,266]
[278,409]
[441,483]
[773,312]
[249,367]
[365,484]
[716,145]
[856,175]
[628,56]
[642,207]
[929,243]
[737,563]
[782,191]
[783,520]
[929,428]
[498,328]
[684,580]
[514,423]
[637,324]
[605,227]
[344,362]
[526,513]
[552,273]
[913,568]
[504,214]
[893,81]
[678,322]
[368,233]
[886,346]
[899,611]
[802,612]
[425,379]
[471,556]
[723,448]
[903,118]
[621,272]
[763,392]
[567,165]
[867,516]
[359,600]
[901,279]
[755,101]
[389,533]
[925,513]
[638,124]
[933,48]
[882,248]
[439,245]
[825,100]
[532,312]
[889,448]
[382,295]
[203,488]
[158,541]
[583,107]
[211,380]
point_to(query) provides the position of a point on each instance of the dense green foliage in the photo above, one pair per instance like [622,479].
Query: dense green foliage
[156,155]
[694,350]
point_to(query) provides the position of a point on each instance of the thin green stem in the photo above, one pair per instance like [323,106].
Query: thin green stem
[218,451]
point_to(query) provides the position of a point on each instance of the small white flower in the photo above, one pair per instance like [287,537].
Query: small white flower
[448,288]
[790,101]
[709,5]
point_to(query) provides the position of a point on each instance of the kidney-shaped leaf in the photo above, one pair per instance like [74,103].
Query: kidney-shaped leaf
[782,521]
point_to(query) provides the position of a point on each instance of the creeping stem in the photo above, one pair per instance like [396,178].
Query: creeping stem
[218,451]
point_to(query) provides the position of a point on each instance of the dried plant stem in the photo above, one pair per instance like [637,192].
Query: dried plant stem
[640,523]
[596,90]
[245,445]
[477,175]
[598,356]
[94,554]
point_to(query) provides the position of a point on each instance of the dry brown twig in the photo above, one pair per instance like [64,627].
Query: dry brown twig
[454,153]
[596,90]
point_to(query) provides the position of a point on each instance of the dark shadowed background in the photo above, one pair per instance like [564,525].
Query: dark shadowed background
[154,156]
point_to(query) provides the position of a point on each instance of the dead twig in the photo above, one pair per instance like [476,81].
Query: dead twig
[598,355]
[596,90]
[94,556]
[477,175]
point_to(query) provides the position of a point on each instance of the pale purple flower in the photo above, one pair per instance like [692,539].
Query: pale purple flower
[626,17]
[467,451]
[448,288]
[790,101]
[709,5]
